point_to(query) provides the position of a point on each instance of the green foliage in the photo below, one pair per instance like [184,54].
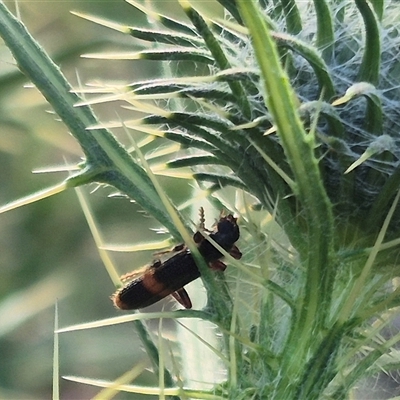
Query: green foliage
[296,108]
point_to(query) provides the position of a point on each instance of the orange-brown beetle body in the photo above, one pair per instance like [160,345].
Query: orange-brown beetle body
[168,277]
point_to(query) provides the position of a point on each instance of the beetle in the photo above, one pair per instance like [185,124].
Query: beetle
[163,278]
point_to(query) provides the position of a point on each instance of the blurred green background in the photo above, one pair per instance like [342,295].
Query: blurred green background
[47,251]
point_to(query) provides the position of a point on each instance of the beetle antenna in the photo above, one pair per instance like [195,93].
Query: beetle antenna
[202,219]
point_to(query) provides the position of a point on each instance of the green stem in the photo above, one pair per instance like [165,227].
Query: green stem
[153,353]
[320,369]
[299,148]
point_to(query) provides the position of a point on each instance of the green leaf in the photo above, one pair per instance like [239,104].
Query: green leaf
[292,15]
[165,37]
[325,33]
[106,160]
[311,55]
[370,65]
[168,22]
[218,53]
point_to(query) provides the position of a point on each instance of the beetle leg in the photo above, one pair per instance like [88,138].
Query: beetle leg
[181,295]
[175,249]
[235,253]
[217,265]
[179,247]
[198,237]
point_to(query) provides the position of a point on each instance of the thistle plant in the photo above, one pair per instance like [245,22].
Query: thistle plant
[295,106]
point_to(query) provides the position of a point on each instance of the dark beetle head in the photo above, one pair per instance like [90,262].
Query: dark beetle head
[228,228]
